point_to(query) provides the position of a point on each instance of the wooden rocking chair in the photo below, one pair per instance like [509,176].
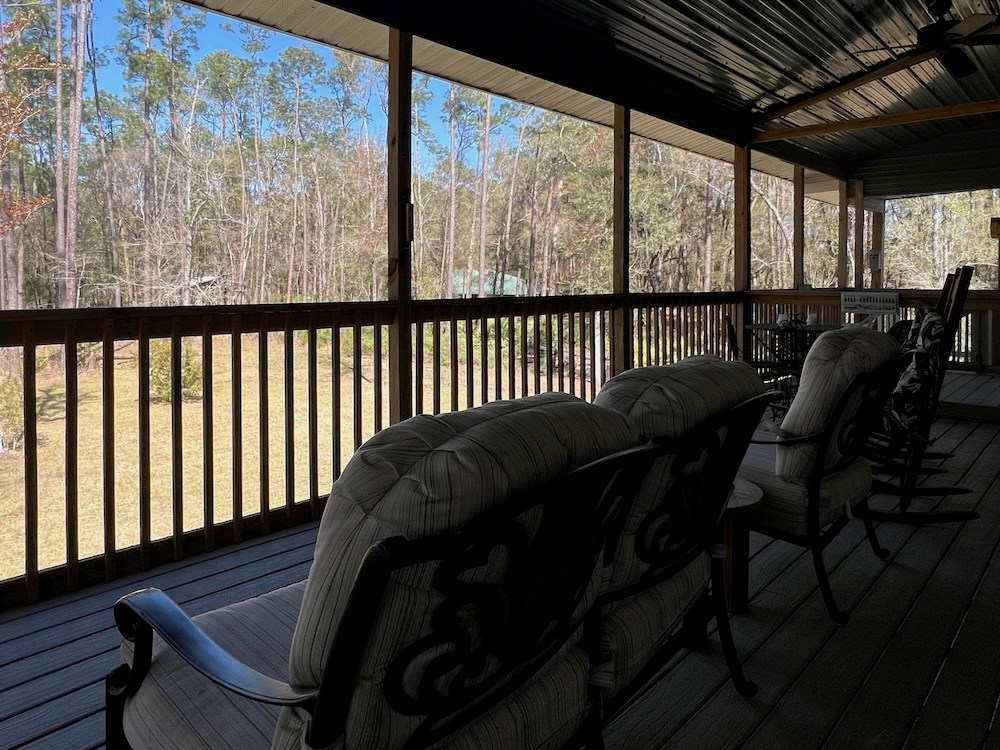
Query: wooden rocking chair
[900,448]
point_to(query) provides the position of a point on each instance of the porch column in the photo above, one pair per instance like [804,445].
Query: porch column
[842,236]
[400,227]
[859,234]
[741,237]
[621,312]
[798,228]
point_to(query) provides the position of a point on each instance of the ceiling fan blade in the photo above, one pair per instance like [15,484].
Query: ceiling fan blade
[989,35]
[977,22]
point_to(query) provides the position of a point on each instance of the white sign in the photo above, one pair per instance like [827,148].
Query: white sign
[871,303]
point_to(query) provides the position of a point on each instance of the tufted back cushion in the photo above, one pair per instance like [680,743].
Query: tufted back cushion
[670,402]
[424,476]
[667,401]
[833,362]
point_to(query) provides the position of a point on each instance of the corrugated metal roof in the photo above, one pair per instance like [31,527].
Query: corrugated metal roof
[697,74]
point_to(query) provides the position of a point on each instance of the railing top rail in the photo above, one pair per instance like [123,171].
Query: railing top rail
[91,324]
[979,299]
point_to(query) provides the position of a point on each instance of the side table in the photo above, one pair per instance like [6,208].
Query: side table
[744,497]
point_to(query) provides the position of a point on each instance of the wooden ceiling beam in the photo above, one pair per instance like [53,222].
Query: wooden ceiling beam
[988,106]
[848,84]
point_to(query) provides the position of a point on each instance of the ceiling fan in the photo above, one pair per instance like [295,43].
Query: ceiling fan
[947,36]
[946,39]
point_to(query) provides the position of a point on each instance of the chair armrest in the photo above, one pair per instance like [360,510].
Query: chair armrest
[140,613]
[812,437]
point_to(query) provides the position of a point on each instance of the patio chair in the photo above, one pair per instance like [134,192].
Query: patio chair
[780,372]
[664,573]
[900,446]
[450,600]
[811,471]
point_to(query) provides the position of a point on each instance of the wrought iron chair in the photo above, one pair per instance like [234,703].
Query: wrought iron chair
[664,571]
[811,471]
[781,371]
[451,597]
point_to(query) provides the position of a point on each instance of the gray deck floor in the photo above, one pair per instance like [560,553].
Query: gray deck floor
[917,666]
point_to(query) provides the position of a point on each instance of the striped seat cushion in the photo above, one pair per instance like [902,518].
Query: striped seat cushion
[177,708]
[423,476]
[634,628]
[784,505]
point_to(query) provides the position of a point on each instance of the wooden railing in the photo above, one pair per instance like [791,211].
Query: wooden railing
[153,434]
[975,343]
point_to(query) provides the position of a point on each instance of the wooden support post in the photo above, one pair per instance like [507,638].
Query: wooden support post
[859,234]
[877,255]
[621,314]
[992,356]
[842,237]
[798,228]
[741,237]
[400,227]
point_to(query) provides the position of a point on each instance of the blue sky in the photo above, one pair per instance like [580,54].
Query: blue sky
[213,37]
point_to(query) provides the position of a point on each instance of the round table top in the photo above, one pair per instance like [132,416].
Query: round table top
[744,497]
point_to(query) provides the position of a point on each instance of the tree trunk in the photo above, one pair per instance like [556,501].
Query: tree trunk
[448,264]
[532,231]
[483,194]
[57,161]
[508,219]
[111,232]
[148,178]
[81,22]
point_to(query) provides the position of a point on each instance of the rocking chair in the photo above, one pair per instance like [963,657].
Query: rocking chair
[900,448]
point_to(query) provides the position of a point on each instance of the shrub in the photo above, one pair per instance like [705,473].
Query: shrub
[159,371]
[11,413]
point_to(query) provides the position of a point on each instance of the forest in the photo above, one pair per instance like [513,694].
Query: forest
[154,154]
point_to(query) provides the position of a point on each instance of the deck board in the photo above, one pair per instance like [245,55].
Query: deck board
[914,667]
[53,657]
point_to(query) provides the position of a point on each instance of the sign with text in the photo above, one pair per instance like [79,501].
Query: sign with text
[872,303]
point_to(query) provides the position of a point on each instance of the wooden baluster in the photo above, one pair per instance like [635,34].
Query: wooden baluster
[264,426]
[453,346]
[436,364]
[377,376]
[497,357]
[236,418]
[289,395]
[336,399]
[30,407]
[72,477]
[145,494]
[312,388]
[108,440]
[470,365]
[356,370]
[208,431]
[418,370]
[176,439]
